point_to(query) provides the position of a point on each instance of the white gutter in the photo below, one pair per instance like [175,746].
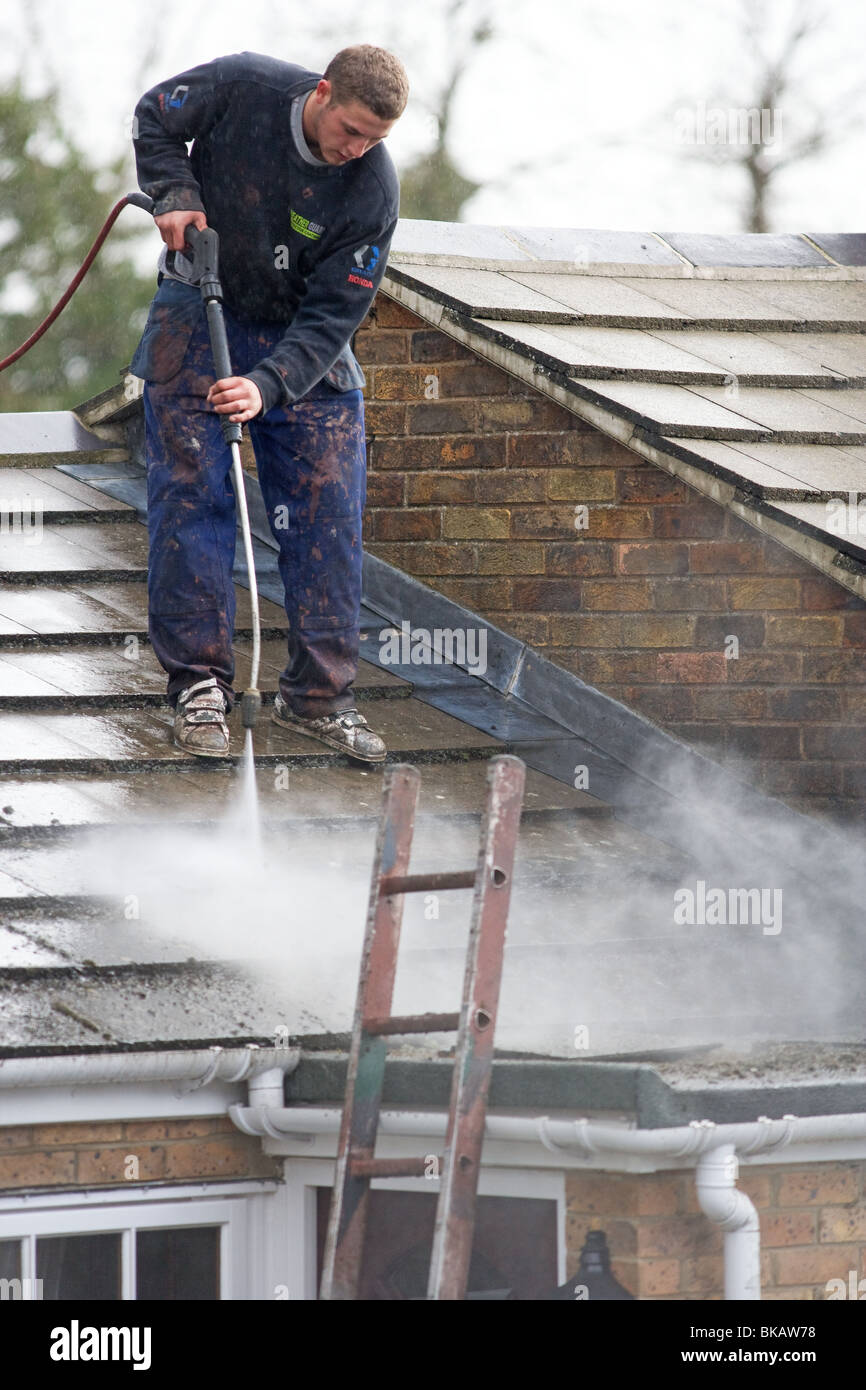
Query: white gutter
[713,1147]
[260,1065]
[584,1138]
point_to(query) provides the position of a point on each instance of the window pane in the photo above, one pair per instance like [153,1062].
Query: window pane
[79,1267]
[183,1263]
[10,1268]
[513,1246]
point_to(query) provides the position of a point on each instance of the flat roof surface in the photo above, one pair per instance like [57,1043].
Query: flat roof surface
[137,912]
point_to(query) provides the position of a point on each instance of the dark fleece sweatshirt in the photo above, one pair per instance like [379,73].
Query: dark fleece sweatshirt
[300,244]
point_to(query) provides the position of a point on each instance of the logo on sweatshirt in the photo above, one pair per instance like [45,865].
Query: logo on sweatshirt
[175,99]
[304,226]
[365,258]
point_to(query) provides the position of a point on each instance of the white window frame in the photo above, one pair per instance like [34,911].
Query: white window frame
[268,1239]
[251,1218]
[304,1175]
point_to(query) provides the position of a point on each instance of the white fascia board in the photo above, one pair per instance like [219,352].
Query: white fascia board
[129,1100]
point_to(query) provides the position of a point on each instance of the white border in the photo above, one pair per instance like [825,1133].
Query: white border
[58,1105]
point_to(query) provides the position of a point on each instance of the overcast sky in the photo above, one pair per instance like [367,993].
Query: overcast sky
[572,115]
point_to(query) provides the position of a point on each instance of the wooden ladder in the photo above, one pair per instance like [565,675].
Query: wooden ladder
[475,1026]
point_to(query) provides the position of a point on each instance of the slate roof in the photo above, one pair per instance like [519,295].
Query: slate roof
[737,362]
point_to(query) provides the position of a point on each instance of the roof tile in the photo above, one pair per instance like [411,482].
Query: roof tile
[744,248]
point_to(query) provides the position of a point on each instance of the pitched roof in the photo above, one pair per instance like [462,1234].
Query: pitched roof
[736,362]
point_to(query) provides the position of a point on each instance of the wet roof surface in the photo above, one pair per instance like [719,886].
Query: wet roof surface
[136,912]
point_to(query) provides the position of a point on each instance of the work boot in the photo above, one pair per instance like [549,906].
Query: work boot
[345,729]
[200,720]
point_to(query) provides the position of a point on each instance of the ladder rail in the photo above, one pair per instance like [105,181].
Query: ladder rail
[366,1070]
[475,1025]
[473,1062]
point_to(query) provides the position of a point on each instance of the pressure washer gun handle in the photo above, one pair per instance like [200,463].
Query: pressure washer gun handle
[204,244]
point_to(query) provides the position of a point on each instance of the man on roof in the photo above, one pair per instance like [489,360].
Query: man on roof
[289,167]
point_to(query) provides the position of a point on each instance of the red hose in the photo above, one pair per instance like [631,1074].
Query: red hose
[73,285]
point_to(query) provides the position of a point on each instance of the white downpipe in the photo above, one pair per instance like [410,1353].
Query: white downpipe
[724,1203]
[266,1088]
[198,1068]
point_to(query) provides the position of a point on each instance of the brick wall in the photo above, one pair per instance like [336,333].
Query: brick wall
[473,483]
[98,1155]
[813,1218]
[813,1229]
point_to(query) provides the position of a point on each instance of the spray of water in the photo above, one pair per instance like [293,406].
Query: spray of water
[596,961]
[247,805]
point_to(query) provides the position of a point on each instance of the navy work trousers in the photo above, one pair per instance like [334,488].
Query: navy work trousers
[312,471]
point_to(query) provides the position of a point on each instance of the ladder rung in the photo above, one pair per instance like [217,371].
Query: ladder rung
[426,883]
[412,1023]
[396,1167]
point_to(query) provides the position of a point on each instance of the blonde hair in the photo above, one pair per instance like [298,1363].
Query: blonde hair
[370,75]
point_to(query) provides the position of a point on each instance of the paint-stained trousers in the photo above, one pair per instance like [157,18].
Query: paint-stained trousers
[312,471]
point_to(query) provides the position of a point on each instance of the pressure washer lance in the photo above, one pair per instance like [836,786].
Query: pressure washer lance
[205,273]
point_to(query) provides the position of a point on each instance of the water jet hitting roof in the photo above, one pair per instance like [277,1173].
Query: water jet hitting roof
[120,927]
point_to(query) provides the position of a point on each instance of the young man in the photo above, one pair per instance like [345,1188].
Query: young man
[289,168]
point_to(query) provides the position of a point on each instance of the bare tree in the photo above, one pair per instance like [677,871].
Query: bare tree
[433,186]
[772,127]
